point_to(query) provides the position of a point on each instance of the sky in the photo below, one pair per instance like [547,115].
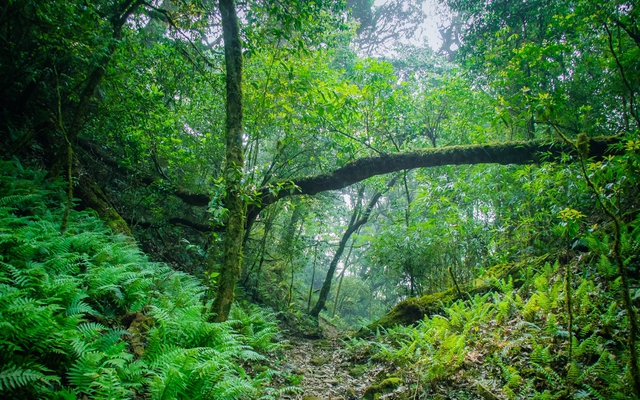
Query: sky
[435,16]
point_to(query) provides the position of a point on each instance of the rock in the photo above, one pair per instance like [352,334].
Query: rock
[357,371]
[386,386]
[320,360]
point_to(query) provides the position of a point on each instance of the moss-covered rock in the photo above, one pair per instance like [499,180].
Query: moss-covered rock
[357,371]
[386,386]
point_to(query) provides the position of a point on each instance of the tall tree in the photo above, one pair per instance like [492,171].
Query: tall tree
[234,199]
[358,219]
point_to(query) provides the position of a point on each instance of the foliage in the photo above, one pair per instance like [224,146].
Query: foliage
[514,343]
[86,314]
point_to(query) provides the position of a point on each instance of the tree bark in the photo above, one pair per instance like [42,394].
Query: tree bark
[93,197]
[234,202]
[341,278]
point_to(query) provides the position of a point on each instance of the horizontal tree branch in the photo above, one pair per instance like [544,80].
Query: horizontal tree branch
[516,152]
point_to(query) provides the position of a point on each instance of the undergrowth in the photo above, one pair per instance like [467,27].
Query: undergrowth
[513,343]
[86,315]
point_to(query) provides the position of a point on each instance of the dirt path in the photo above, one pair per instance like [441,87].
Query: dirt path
[325,370]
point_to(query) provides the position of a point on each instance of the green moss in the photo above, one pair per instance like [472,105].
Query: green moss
[320,360]
[414,309]
[386,386]
[260,368]
[94,198]
[485,393]
[357,371]
[322,344]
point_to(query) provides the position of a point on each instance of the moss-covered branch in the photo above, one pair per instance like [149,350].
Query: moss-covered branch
[515,152]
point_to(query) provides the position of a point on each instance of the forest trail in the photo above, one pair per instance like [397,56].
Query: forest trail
[325,370]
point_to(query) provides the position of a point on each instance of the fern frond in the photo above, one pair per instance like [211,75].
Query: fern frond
[78,306]
[14,377]
[91,329]
[250,355]
[85,370]
[17,199]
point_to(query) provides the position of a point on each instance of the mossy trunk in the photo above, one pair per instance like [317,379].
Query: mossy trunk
[234,200]
[414,309]
[93,197]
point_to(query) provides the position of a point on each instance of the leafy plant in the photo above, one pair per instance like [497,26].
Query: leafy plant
[87,314]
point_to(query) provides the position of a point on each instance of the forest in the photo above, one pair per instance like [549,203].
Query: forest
[315,200]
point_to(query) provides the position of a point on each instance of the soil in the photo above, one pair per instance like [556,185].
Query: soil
[324,368]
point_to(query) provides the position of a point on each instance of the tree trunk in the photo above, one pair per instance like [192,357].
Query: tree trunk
[313,276]
[353,226]
[93,197]
[346,265]
[117,21]
[232,242]
[88,191]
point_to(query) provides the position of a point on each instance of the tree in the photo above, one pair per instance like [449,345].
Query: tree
[358,219]
[234,199]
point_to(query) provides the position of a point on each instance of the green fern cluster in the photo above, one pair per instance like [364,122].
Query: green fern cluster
[513,343]
[86,314]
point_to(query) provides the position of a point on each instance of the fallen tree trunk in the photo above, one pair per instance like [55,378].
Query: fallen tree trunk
[414,309]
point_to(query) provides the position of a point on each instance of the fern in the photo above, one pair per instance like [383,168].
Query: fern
[54,288]
[78,306]
[17,199]
[13,377]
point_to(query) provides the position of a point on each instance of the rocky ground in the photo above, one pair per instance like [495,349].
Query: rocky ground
[321,365]
[324,370]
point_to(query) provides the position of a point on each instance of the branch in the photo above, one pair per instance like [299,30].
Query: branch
[517,152]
